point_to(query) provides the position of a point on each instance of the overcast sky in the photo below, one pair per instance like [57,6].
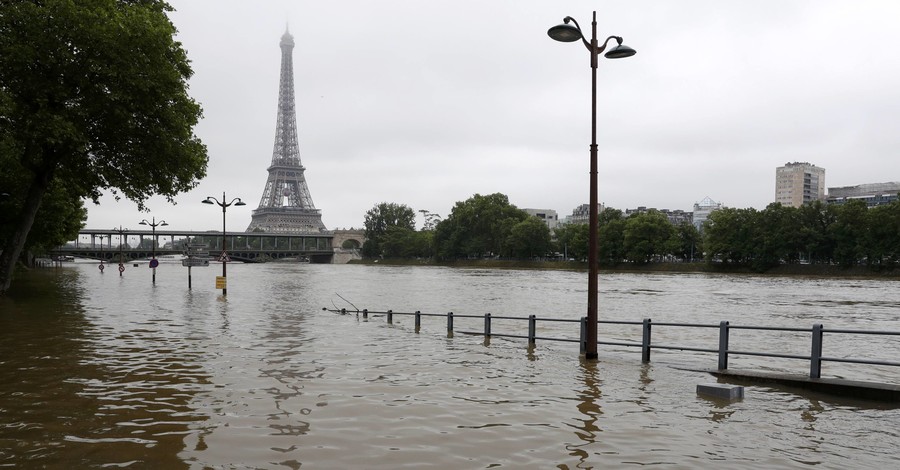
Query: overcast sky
[426,103]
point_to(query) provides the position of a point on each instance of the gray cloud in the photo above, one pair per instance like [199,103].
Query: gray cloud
[428,102]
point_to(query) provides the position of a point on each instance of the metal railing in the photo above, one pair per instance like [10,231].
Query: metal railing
[815,358]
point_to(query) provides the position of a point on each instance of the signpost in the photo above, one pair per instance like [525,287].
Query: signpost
[197,255]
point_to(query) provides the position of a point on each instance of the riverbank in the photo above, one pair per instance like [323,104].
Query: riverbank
[823,270]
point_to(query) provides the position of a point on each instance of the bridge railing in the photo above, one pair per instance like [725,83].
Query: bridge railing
[723,330]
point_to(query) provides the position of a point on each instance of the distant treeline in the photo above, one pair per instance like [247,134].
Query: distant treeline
[490,227]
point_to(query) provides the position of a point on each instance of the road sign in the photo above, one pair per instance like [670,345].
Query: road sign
[121,267]
[220,282]
[154,263]
[203,262]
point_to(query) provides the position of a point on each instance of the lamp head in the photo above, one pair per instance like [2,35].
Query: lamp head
[565,32]
[620,51]
[143,222]
[163,223]
[208,200]
[240,202]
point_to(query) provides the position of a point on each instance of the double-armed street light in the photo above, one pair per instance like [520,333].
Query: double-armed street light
[571,33]
[153,262]
[224,258]
[121,231]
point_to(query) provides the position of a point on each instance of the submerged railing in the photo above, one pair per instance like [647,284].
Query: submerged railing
[815,358]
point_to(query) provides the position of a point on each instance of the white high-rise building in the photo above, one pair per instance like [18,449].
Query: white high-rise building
[799,183]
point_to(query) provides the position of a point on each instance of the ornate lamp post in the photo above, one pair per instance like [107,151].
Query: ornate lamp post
[121,231]
[153,262]
[568,33]
[101,252]
[237,202]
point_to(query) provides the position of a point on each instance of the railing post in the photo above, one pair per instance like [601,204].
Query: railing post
[583,337]
[487,325]
[390,318]
[449,323]
[815,357]
[365,313]
[532,329]
[723,345]
[418,320]
[645,342]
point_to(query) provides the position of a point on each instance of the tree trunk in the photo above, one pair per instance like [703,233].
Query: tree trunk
[16,243]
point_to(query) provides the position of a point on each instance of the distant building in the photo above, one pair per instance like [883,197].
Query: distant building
[549,216]
[676,217]
[874,194]
[581,214]
[799,183]
[702,210]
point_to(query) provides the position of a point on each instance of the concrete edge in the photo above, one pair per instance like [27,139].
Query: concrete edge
[882,392]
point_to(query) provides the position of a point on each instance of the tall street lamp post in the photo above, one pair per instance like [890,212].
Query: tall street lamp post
[224,205]
[121,231]
[153,262]
[568,33]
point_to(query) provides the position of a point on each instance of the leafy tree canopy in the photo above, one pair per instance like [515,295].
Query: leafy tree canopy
[380,221]
[93,94]
[477,226]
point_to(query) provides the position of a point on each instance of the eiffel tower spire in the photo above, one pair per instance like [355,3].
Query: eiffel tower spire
[286,205]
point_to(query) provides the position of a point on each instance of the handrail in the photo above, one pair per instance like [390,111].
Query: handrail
[815,357]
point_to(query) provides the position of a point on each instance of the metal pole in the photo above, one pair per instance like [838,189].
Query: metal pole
[591,351]
[224,255]
[153,247]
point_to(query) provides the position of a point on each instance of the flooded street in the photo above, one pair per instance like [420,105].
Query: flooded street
[102,370]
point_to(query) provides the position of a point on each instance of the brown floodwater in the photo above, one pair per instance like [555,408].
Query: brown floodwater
[102,370]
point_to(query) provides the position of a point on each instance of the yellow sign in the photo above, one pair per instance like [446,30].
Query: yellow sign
[220,282]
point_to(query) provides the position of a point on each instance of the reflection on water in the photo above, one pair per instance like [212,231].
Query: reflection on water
[587,430]
[98,369]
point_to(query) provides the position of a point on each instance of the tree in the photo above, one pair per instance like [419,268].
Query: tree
[647,236]
[381,218]
[848,232]
[529,238]
[93,94]
[686,242]
[477,226]
[730,235]
[611,235]
[572,240]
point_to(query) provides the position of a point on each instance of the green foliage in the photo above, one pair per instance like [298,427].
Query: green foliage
[849,232]
[477,227]
[611,237]
[572,241]
[380,224]
[648,236]
[687,244]
[93,94]
[529,238]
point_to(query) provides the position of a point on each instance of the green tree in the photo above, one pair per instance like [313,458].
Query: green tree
[687,244]
[816,219]
[381,218]
[529,238]
[884,235]
[572,240]
[477,226]
[647,236]
[849,232]
[611,237]
[93,93]
[731,235]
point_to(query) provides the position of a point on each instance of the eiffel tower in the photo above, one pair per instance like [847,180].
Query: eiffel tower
[286,205]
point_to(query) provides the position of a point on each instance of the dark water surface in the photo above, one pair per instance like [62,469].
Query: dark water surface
[102,370]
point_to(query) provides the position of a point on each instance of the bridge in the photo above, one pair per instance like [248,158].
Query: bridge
[111,244]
